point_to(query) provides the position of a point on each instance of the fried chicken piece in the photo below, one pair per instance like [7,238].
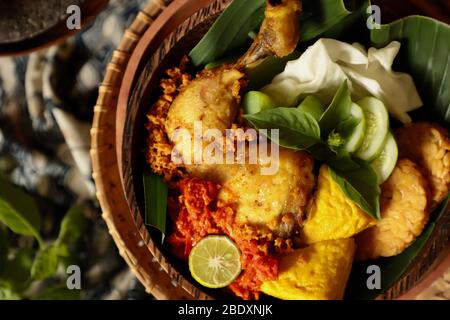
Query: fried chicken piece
[428,145]
[213,99]
[213,96]
[404,214]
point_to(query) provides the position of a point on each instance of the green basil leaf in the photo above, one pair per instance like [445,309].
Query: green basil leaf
[16,272]
[392,268]
[155,195]
[58,292]
[46,263]
[337,112]
[72,226]
[18,211]
[297,130]
[360,186]
[229,32]
[425,55]
[340,161]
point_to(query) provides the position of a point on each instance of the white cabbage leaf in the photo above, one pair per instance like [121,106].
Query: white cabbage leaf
[322,68]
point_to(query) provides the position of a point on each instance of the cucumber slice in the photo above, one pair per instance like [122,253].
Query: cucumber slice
[355,140]
[377,128]
[255,101]
[385,163]
[313,106]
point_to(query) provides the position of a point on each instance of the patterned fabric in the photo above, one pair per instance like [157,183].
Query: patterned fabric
[46,109]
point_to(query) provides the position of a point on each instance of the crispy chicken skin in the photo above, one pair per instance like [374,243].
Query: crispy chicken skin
[428,145]
[213,98]
[404,214]
[266,199]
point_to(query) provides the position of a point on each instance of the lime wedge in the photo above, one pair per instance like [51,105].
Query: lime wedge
[215,261]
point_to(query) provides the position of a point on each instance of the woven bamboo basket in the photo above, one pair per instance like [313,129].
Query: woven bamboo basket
[115,210]
[132,72]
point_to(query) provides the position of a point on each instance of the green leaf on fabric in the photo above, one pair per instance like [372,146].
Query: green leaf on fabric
[58,292]
[18,211]
[72,226]
[6,293]
[16,273]
[45,264]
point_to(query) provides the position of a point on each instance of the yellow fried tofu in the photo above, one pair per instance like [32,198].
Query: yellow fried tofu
[403,214]
[317,272]
[332,215]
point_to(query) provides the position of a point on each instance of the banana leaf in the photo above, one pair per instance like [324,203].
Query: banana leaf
[155,196]
[425,54]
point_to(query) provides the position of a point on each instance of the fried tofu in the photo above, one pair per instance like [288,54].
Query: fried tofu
[332,215]
[428,145]
[317,272]
[404,214]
